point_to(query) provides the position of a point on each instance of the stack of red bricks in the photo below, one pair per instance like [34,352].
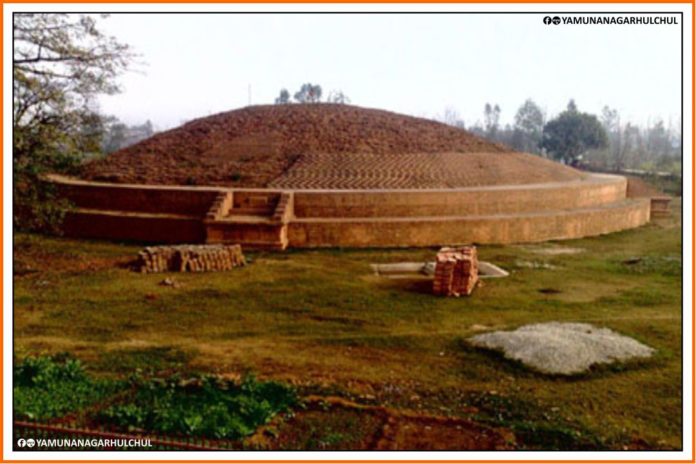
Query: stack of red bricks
[456,271]
[190,258]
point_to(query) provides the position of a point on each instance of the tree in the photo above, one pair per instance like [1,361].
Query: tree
[631,142]
[283,98]
[451,117]
[658,140]
[529,126]
[308,93]
[117,135]
[572,107]
[572,133]
[114,137]
[337,96]
[611,121]
[148,129]
[491,115]
[60,63]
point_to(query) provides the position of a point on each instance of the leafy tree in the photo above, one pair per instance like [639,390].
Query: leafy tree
[572,106]
[611,121]
[529,126]
[118,135]
[308,93]
[658,140]
[491,115]
[283,98]
[572,133]
[60,63]
[115,137]
[631,142]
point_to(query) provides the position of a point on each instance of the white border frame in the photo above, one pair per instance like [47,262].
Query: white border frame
[308,456]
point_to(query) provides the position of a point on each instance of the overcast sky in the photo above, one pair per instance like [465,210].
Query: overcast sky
[195,65]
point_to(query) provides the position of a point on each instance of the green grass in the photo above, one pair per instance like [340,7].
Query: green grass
[151,360]
[536,427]
[321,319]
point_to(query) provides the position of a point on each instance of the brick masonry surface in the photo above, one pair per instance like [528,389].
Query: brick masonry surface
[456,271]
[190,258]
[276,219]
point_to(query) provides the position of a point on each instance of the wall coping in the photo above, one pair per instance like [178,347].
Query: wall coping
[590,179]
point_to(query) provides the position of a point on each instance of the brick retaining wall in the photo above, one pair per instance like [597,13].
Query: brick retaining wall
[383,218]
[597,190]
[501,229]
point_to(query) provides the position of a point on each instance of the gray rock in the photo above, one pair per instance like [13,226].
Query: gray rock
[561,347]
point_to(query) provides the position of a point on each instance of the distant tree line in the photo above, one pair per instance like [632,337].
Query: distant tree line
[311,93]
[116,134]
[575,137]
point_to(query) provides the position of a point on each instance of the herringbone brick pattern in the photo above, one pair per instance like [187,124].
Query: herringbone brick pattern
[419,170]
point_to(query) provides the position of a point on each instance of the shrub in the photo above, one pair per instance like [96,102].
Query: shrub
[203,406]
[46,387]
[36,207]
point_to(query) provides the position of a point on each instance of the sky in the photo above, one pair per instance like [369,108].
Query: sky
[192,65]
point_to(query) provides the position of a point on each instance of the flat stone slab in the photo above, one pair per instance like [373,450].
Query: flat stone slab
[410,270]
[554,250]
[561,347]
[491,271]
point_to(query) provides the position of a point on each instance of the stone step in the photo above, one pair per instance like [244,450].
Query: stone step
[265,212]
[266,234]
[248,219]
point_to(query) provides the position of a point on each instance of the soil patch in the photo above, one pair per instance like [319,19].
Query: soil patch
[334,423]
[30,260]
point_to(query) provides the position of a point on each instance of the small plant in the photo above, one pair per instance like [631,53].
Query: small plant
[203,406]
[46,388]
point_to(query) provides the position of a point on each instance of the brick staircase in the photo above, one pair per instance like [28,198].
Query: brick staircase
[253,219]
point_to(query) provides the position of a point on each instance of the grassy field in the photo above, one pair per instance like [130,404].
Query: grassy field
[322,321]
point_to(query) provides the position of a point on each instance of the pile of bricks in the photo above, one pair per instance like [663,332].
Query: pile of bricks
[190,258]
[456,271]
